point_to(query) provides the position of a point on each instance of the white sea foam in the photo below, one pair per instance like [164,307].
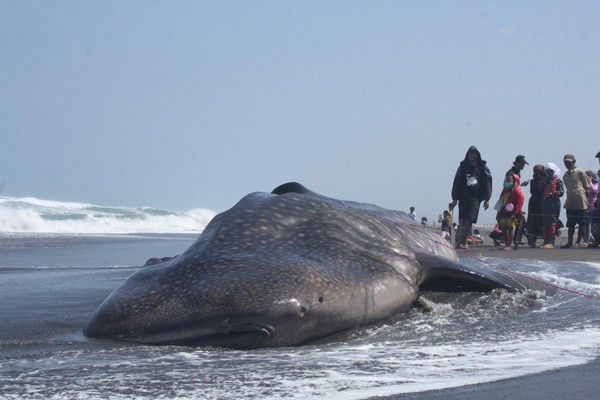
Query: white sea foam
[336,372]
[31,215]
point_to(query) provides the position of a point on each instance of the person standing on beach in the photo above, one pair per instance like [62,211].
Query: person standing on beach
[594,216]
[577,186]
[552,190]
[446,221]
[534,217]
[412,213]
[592,199]
[517,167]
[472,184]
[509,210]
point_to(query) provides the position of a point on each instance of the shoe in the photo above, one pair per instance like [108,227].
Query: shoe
[505,248]
[547,246]
[593,245]
[566,246]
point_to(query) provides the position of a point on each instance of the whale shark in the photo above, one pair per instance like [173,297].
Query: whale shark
[287,268]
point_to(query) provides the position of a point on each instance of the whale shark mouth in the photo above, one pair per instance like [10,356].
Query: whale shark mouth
[240,336]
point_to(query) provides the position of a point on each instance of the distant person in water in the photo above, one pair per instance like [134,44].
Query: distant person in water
[472,185]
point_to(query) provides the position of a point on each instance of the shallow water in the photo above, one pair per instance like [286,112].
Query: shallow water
[51,283]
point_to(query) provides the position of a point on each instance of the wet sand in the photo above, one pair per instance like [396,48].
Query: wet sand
[524,251]
[576,382]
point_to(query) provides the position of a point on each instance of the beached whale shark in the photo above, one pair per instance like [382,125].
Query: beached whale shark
[286,268]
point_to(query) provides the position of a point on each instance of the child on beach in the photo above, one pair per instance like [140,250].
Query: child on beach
[446,221]
[509,209]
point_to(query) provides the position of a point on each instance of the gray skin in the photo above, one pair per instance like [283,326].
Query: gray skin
[284,269]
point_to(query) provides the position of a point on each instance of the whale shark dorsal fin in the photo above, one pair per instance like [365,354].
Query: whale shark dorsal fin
[442,274]
[290,187]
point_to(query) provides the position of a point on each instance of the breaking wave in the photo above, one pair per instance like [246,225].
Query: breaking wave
[32,215]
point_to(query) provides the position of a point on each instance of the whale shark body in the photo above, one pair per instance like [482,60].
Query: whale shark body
[287,268]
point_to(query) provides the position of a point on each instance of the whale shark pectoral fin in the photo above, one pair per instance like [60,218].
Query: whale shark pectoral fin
[444,275]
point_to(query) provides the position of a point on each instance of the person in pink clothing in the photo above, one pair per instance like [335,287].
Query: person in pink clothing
[509,207]
[592,198]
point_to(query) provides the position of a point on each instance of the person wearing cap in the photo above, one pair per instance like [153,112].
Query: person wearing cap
[576,187]
[517,167]
[598,157]
[472,184]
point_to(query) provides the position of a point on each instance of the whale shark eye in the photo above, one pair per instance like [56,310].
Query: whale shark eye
[321,299]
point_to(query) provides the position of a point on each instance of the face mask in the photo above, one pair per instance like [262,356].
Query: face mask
[508,185]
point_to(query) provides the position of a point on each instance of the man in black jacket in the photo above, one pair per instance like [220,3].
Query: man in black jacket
[472,185]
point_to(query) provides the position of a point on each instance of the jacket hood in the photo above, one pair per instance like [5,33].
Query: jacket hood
[473,149]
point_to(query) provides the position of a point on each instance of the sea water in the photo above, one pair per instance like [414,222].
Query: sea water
[51,282]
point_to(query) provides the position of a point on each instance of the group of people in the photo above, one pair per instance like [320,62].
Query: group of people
[472,186]
[582,204]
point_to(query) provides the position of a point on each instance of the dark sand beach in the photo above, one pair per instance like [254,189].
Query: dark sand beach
[576,382]
[525,252]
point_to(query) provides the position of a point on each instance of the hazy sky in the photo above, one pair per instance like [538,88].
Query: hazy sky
[193,104]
